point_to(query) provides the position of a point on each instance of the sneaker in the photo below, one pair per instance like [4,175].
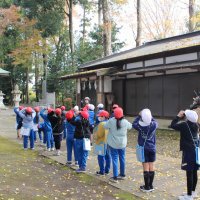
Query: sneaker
[99,173]
[48,149]
[32,149]
[25,149]
[80,170]
[144,189]
[107,173]
[52,149]
[113,179]
[121,177]
[185,197]
[76,164]
[151,188]
[58,153]
[69,163]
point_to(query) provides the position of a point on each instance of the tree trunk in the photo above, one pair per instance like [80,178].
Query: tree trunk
[107,27]
[36,77]
[99,12]
[71,36]
[191,15]
[139,24]
[27,82]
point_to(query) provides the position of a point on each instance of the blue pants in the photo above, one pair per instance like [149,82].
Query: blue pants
[71,145]
[115,154]
[81,154]
[49,139]
[31,138]
[104,162]
[65,130]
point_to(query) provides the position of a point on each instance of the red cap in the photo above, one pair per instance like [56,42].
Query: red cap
[58,111]
[118,113]
[49,110]
[37,109]
[115,106]
[62,108]
[21,107]
[29,110]
[69,115]
[84,114]
[103,113]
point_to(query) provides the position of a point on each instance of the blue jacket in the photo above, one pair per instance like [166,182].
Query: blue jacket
[18,118]
[70,130]
[91,117]
[47,123]
[27,119]
[143,131]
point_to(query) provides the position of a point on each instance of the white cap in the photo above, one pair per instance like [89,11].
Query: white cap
[191,116]
[146,117]
[87,98]
[100,105]
[76,108]
[91,107]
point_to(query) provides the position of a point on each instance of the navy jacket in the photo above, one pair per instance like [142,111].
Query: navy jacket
[186,142]
[144,132]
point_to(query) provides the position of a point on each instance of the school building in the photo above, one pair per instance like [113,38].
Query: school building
[161,75]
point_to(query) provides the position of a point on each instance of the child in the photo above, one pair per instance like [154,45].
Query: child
[64,121]
[117,141]
[70,142]
[91,120]
[81,131]
[18,120]
[100,108]
[101,137]
[47,127]
[113,109]
[57,127]
[27,114]
[146,127]
[36,121]
[188,139]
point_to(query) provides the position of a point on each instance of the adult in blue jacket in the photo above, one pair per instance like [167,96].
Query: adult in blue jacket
[48,128]
[146,127]
[27,114]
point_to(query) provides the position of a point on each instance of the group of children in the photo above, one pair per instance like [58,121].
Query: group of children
[110,138]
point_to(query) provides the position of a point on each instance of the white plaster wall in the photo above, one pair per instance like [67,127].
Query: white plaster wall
[181,58]
[107,84]
[134,65]
[78,83]
[152,62]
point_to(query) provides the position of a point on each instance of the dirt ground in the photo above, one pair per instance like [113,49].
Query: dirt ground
[166,139]
[26,175]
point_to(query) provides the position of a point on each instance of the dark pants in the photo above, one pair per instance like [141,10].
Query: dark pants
[57,140]
[191,181]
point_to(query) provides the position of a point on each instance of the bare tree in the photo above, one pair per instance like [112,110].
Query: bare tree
[107,27]
[139,23]
[191,15]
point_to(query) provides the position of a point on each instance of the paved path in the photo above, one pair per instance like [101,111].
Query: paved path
[169,181]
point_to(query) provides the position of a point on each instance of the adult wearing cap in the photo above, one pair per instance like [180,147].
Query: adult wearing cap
[146,127]
[101,138]
[99,109]
[188,137]
[117,141]
[87,102]
[81,131]
[91,119]
[27,114]
[18,120]
[47,127]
